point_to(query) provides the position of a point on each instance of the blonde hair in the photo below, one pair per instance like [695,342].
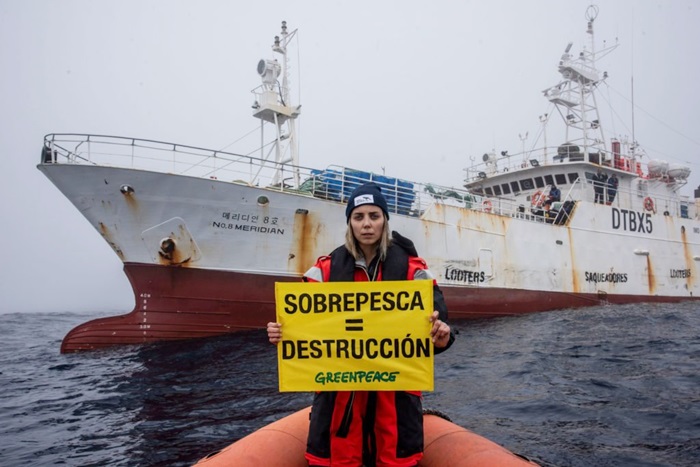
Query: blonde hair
[384,242]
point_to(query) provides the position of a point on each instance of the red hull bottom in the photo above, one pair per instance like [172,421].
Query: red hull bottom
[182,303]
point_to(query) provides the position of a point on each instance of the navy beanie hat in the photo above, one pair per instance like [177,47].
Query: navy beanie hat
[369,193]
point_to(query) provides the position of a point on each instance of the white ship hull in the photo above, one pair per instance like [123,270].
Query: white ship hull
[231,250]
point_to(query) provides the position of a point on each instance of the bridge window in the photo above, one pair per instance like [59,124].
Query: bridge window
[560,178]
[539,182]
[497,190]
[506,189]
[549,180]
[572,177]
[515,187]
[526,184]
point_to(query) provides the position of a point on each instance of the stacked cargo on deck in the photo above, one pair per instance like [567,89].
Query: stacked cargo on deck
[338,183]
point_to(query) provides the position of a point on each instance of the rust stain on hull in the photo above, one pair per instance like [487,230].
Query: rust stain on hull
[172,254]
[107,235]
[132,203]
[304,243]
[689,261]
[575,286]
[651,279]
[173,258]
[130,199]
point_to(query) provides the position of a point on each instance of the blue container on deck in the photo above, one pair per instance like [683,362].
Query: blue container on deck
[399,194]
[331,182]
[338,185]
[406,196]
[352,180]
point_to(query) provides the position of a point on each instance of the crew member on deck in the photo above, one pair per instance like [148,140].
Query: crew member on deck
[612,188]
[599,184]
[554,196]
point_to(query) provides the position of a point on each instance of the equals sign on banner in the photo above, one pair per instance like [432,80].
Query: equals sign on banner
[354,324]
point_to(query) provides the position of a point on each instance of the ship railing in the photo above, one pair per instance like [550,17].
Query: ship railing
[649,199]
[334,183]
[549,156]
[172,158]
[404,197]
[646,198]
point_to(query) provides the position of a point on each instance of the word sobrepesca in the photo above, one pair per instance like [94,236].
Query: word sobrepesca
[353,302]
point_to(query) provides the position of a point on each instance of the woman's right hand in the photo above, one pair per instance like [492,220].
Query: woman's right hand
[274,332]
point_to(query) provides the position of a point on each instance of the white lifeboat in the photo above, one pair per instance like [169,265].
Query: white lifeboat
[678,171]
[657,168]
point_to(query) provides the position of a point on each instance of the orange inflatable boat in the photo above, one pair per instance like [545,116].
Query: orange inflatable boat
[282,443]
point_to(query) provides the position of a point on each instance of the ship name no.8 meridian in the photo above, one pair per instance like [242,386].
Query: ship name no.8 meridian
[631,221]
[251,223]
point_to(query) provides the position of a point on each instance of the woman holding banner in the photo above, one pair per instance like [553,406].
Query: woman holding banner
[371,428]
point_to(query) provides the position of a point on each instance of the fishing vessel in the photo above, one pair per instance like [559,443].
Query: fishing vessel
[205,234]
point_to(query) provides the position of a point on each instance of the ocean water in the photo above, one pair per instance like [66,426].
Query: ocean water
[603,386]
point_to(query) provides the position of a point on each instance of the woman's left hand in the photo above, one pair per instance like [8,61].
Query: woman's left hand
[440,332]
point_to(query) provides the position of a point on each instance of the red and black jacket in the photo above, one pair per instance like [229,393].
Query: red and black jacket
[336,416]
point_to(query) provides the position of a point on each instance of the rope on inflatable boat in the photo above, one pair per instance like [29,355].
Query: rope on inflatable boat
[437,413]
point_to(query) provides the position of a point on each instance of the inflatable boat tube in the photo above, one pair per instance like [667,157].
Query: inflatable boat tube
[283,443]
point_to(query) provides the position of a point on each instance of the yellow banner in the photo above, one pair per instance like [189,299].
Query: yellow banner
[355,336]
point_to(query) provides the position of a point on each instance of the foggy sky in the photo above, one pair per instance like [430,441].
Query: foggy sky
[416,88]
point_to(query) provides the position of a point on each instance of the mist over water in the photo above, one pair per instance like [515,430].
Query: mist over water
[599,386]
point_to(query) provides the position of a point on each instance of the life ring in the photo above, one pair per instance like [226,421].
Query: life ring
[487,205]
[538,199]
[648,204]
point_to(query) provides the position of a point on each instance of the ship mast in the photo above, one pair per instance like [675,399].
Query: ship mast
[574,97]
[273,105]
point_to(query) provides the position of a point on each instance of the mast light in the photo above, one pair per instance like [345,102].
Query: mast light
[269,70]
